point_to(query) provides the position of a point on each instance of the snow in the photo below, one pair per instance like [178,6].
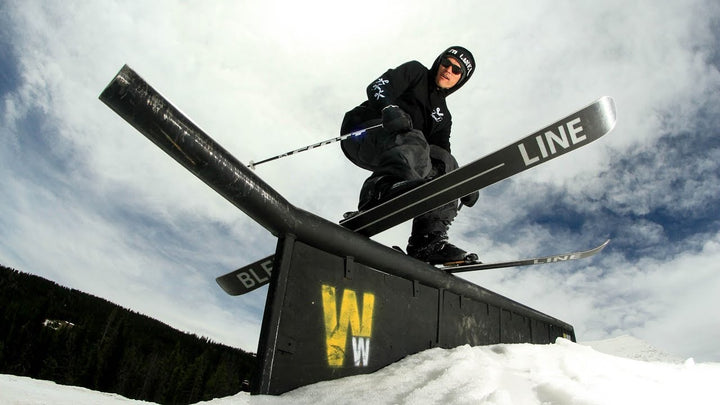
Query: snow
[622,370]
[16,390]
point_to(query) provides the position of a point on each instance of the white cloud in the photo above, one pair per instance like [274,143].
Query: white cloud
[98,206]
[669,302]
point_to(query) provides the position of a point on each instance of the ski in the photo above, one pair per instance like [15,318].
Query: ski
[565,135]
[564,257]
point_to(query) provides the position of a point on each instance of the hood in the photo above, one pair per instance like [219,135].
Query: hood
[467,63]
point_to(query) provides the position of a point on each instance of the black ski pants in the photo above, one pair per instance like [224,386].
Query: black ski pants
[404,156]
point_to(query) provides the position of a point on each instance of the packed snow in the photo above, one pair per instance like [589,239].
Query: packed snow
[622,370]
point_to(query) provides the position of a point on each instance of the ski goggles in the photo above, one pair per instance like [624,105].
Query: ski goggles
[446,62]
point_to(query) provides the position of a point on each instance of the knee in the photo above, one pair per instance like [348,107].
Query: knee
[442,161]
[414,138]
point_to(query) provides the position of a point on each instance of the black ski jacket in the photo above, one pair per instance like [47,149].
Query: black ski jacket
[411,86]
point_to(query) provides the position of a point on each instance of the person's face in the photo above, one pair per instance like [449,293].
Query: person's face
[446,77]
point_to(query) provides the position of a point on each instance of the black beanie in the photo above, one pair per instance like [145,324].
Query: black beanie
[467,62]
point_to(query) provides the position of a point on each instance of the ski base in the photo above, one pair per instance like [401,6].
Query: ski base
[257,274]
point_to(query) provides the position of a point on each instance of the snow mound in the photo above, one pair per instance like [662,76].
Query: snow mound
[560,374]
[563,373]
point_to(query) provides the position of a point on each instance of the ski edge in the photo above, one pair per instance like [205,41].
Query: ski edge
[558,258]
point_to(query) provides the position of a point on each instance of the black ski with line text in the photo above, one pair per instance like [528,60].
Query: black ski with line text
[563,257]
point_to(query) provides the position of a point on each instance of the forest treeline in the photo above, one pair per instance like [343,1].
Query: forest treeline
[54,333]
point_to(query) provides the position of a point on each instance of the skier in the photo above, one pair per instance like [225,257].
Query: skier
[413,144]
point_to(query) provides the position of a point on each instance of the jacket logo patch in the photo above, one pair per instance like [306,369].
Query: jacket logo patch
[437,115]
[379,87]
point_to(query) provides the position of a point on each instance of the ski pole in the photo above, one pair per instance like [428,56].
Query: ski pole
[315,145]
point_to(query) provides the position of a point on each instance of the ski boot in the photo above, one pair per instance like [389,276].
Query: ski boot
[379,189]
[435,249]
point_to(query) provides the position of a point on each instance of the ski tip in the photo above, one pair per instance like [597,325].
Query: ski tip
[607,105]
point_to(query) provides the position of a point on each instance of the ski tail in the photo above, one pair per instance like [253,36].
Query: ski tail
[247,278]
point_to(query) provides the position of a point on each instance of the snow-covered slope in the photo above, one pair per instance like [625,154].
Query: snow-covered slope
[563,373]
[632,348]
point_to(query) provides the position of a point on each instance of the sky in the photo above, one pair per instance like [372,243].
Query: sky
[91,204]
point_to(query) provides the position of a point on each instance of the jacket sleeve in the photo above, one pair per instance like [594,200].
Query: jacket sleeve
[385,90]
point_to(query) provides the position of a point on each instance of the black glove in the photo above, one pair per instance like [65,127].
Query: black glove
[394,119]
[470,199]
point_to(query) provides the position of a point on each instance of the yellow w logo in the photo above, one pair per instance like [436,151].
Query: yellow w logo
[336,330]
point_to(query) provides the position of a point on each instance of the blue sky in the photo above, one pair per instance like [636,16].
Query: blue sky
[91,204]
